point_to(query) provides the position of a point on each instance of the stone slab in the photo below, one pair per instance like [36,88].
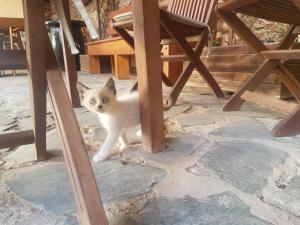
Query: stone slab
[248,112]
[209,103]
[287,198]
[221,209]
[176,110]
[178,147]
[45,185]
[27,153]
[245,165]
[196,118]
[26,123]
[48,220]
[251,130]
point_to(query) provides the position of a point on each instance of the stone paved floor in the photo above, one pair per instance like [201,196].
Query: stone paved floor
[219,168]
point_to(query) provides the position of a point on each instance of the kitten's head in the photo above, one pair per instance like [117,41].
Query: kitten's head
[98,100]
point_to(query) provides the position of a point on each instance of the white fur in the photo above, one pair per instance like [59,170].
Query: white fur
[124,114]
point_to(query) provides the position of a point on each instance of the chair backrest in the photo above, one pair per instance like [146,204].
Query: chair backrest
[200,10]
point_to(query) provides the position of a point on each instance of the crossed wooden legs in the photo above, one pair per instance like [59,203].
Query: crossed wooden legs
[284,128]
[193,56]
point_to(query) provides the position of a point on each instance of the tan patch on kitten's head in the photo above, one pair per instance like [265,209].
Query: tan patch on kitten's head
[98,100]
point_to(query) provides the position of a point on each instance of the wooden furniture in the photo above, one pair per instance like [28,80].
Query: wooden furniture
[280,11]
[11,24]
[147,54]
[232,76]
[44,75]
[182,19]
[119,52]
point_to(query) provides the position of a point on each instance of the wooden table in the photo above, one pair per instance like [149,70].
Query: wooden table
[285,11]
[44,76]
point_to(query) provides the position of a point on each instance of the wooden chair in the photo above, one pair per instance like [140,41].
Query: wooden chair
[183,19]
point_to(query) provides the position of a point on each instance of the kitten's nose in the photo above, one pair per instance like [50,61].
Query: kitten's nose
[100,106]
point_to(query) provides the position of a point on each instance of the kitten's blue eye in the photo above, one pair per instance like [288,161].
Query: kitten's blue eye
[105,100]
[93,101]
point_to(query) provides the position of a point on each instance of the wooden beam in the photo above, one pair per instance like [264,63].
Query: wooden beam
[69,61]
[36,58]
[147,52]
[230,5]
[282,54]
[174,58]
[15,139]
[269,101]
[11,22]
[87,198]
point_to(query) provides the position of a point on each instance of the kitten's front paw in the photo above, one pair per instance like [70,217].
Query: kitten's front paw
[99,157]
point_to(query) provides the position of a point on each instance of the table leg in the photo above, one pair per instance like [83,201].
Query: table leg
[94,64]
[70,64]
[121,67]
[11,40]
[289,126]
[147,51]
[36,58]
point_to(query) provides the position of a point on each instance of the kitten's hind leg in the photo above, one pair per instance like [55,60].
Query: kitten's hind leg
[123,141]
[106,147]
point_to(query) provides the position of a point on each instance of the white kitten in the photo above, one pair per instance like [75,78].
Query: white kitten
[116,114]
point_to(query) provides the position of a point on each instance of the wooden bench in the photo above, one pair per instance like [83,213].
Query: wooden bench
[119,52]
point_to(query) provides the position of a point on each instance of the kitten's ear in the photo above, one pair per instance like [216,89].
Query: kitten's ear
[82,89]
[110,84]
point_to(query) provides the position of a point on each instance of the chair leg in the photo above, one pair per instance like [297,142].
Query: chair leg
[289,126]
[36,57]
[172,30]
[178,86]
[235,102]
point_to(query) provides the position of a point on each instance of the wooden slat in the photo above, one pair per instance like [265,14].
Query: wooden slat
[174,58]
[147,52]
[282,54]
[269,101]
[15,139]
[69,61]
[229,5]
[276,10]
